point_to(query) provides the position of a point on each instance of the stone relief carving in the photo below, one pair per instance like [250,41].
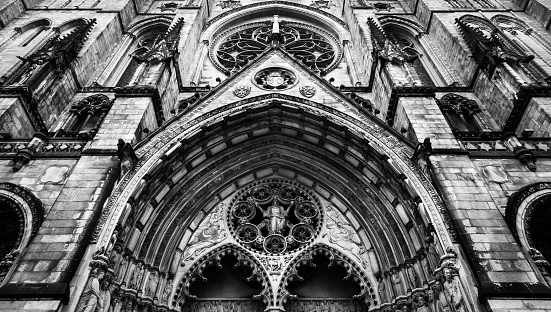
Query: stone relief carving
[211,232]
[242,91]
[495,174]
[340,233]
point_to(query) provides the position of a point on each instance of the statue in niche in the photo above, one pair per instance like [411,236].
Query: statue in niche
[441,303]
[105,296]
[210,232]
[381,288]
[412,275]
[343,235]
[122,269]
[275,217]
[453,290]
[136,278]
[167,291]
[91,299]
[397,283]
[151,286]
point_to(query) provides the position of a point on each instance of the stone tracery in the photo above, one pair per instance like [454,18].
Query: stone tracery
[313,47]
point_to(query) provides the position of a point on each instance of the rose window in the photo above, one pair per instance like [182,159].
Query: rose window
[313,47]
[275,216]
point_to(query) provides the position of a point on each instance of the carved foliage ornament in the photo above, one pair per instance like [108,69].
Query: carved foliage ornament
[275,216]
[229,4]
[311,46]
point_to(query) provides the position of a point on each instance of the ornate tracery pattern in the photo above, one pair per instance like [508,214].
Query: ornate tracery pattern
[313,47]
[275,216]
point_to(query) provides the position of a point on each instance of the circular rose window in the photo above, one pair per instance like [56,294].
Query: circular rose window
[275,216]
[275,78]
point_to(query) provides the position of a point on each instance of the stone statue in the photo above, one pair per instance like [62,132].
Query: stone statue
[441,303]
[166,292]
[91,299]
[453,290]
[275,217]
[151,286]
[105,296]
[422,305]
[136,278]
[381,288]
[412,276]
[209,233]
[122,269]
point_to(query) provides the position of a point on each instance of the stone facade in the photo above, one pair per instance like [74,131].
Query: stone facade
[244,155]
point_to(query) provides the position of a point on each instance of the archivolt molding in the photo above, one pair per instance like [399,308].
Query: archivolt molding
[379,140]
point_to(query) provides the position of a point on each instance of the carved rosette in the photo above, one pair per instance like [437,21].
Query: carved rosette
[275,216]
[242,91]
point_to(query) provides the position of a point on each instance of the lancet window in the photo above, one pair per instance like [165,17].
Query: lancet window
[54,57]
[149,52]
[313,47]
[400,54]
[460,112]
[87,114]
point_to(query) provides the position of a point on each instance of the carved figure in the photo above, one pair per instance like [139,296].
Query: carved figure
[167,291]
[343,235]
[275,217]
[412,275]
[441,303]
[91,299]
[381,288]
[136,278]
[453,290]
[151,286]
[105,296]
[423,305]
[209,233]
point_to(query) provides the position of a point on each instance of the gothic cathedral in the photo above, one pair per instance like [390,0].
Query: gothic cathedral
[275,156]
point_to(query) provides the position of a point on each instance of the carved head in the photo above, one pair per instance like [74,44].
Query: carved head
[447,274]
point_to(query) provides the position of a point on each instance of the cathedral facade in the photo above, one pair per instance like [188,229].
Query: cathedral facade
[244,155]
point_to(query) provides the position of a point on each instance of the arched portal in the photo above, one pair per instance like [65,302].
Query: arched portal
[277,176]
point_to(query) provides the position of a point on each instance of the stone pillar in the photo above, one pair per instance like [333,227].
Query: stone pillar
[350,62]
[199,66]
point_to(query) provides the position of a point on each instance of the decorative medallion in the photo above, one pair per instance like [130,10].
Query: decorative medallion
[242,91]
[308,91]
[275,216]
[275,78]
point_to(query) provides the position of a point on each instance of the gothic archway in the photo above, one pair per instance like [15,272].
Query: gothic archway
[21,215]
[527,214]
